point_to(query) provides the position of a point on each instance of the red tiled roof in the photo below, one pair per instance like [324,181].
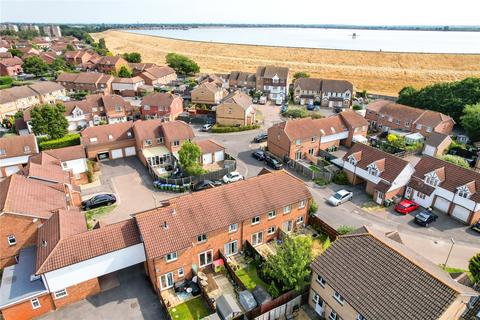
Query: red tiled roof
[15,146]
[67,153]
[118,131]
[177,130]
[209,146]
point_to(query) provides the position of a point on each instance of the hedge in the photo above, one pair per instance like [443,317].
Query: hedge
[71,139]
[225,129]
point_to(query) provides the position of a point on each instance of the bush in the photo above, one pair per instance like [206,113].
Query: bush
[321,182]
[340,178]
[71,139]
[313,208]
[345,229]
[459,161]
[295,113]
[357,107]
[195,170]
[225,129]
[6,80]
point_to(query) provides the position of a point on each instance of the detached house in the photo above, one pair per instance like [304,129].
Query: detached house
[86,81]
[109,65]
[273,81]
[15,152]
[298,138]
[383,174]
[368,275]
[447,188]
[208,93]
[11,66]
[386,115]
[236,110]
[328,93]
[165,106]
[157,76]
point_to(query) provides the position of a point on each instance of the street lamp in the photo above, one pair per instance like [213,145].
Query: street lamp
[449,252]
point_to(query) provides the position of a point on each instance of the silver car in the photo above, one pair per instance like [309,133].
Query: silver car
[340,197]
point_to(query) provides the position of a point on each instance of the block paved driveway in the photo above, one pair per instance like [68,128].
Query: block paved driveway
[133,298]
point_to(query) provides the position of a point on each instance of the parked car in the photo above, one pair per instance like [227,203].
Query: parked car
[310,107]
[273,163]
[255,100]
[259,155]
[425,217]
[232,177]
[406,206]
[262,100]
[476,226]
[260,138]
[206,184]
[97,201]
[284,108]
[206,127]
[340,197]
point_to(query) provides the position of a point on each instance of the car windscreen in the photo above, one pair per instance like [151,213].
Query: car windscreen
[423,217]
[337,196]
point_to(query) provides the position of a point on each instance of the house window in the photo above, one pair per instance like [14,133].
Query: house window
[338,297]
[429,129]
[35,303]
[298,142]
[301,205]
[419,126]
[464,193]
[321,281]
[26,149]
[257,238]
[271,230]
[231,248]
[64,165]
[233,227]
[94,109]
[11,240]
[256,220]
[172,256]
[181,272]
[373,171]
[431,180]
[271,214]
[60,294]
[93,140]
[118,108]
[311,151]
[407,124]
[160,140]
[360,317]
[205,258]
[176,143]
[146,107]
[202,238]
[300,220]
[313,139]
[421,195]
[352,160]
[2,152]
[129,134]
[397,122]
[332,315]
[148,142]
[110,137]
[287,209]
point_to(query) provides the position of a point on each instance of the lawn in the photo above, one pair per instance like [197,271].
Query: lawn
[94,214]
[249,277]
[191,310]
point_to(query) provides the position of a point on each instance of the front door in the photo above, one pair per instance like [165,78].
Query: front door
[288,226]
[379,199]
[231,248]
[166,281]
[298,155]
[408,193]
[205,258]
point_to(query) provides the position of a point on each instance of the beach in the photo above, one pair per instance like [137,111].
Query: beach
[377,72]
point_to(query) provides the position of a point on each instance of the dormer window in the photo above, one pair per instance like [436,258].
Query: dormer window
[352,161]
[463,192]
[148,142]
[160,140]
[110,137]
[118,108]
[432,179]
[373,170]
[93,139]
[26,149]
[129,134]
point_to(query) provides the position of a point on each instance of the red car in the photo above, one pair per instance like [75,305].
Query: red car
[406,206]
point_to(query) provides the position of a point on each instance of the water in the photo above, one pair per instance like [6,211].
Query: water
[369,40]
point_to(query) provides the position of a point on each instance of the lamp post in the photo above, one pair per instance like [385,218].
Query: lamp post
[449,252]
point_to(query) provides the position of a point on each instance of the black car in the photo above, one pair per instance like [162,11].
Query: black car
[273,163]
[426,217]
[206,184]
[259,155]
[99,201]
[260,138]
[476,226]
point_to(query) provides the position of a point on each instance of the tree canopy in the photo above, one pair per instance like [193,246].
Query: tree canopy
[132,57]
[474,267]
[15,52]
[299,75]
[470,121]
[189,156]
[124,72]
[49,120]
[459,161]
[449,98]
[35,65]
[182,64]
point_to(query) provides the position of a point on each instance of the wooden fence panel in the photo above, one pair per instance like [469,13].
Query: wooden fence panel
[321,225]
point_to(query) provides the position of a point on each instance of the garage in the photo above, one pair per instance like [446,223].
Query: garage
[207,158]
[11,170]
[117,153]
[461,213]
[441,204]
[219,156]
[130,151]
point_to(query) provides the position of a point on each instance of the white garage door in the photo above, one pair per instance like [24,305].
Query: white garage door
[441,204]
[207,158]
[11,170]
[130,151]
[461,213]
[429,150]
[117,153]
[219,156]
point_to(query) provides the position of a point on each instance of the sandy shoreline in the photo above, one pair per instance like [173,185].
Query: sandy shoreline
[377,72]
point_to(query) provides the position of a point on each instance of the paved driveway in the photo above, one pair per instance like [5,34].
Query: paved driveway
[133,298]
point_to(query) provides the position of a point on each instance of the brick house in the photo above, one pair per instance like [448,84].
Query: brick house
[177,235]
[447,188]
[273,81]
[208,93]
[383,174]
[110,65]
[11,66]
[127,87]
[436,144]
[73,159]
[77,57]
[236,110]
[157,76]
[379,273]
[15,152]
[86,81]
[328,93]
[165,106]
[239,79]
[385,115]
[298,138]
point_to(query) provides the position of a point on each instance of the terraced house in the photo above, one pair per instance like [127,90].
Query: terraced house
[273,81]
[328,93]
[86,81]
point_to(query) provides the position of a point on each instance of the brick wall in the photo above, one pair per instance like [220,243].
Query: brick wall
[25,311]
[78,292]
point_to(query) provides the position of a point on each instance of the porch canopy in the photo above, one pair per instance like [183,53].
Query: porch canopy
[155,151]
[359,138]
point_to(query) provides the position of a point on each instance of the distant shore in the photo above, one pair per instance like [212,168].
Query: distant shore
[377,72]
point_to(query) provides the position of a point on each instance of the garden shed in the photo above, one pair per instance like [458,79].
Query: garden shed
[261,295]
[227,307]
[247,300]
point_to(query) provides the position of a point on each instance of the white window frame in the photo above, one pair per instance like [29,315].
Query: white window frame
[338,297]
[93,139]
[176,143]
[167,259]
[271,230]
[255,220]
[148,142]
[26,149]
[60,294]
[233,227]
[360,317]
[256,234]
[332,315]
[301,205]
[181,272]
[321,281]
[167,286]
[11,237]
[287,209]
[228,254]
[271,214]
[35,303]
[202,238]
[208,263]
[300,219]
[160,140]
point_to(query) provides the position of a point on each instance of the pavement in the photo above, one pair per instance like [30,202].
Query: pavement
[131,298]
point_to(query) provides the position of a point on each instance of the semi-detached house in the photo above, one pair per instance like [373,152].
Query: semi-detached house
[447,188]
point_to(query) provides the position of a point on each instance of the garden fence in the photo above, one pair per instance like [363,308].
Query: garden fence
[305,170]
[236,280]
[320,225]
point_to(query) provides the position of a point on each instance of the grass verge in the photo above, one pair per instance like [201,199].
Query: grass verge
[93,215]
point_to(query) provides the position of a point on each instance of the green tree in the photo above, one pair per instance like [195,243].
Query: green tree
[124,72]
[189,156]
[58,64]
[182,64]
[15,52]
[35,65]
[70,47]
[289,267]
[470,121]
[299,75]
[50,121]
[102,44]
[132,57]
[474,267]
[345,229]
[459,161]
